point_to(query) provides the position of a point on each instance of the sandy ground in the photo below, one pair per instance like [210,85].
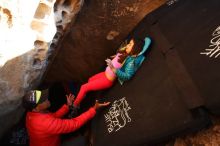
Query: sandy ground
[205,137]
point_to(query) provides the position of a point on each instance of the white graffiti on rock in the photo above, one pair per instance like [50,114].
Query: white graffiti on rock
[117,116]
[214,47]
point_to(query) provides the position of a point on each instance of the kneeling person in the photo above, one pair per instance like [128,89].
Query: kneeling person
[44,128]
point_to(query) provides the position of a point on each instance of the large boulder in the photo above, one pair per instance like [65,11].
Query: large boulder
[98,30]
[26,38]
[44,40]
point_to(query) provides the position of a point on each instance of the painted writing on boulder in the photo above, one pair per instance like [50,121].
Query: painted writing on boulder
[117,116]
[171,2]
[214,47]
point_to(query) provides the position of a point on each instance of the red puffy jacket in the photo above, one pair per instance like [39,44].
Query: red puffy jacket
[44,129]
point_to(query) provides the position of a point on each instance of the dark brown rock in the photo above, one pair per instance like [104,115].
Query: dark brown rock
[97,32]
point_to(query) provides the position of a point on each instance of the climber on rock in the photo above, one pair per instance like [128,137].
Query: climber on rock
[123,66]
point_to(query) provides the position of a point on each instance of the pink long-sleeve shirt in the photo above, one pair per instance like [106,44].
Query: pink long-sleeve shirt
[116,64]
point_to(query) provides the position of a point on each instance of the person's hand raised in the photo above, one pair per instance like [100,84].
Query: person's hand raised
[109,63]
[100,105]
[70,99]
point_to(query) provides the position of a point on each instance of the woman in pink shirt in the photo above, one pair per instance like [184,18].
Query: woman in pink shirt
[105,79]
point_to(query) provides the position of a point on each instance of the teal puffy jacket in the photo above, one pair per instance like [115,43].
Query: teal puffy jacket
[132,64]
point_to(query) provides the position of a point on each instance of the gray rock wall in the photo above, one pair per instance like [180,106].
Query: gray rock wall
[29,39]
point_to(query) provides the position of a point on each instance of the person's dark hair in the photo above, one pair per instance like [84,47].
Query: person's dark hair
[29,100]
[138,45]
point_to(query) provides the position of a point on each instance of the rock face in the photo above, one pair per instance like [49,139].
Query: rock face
[27,32]
[98,30]
[45,33]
